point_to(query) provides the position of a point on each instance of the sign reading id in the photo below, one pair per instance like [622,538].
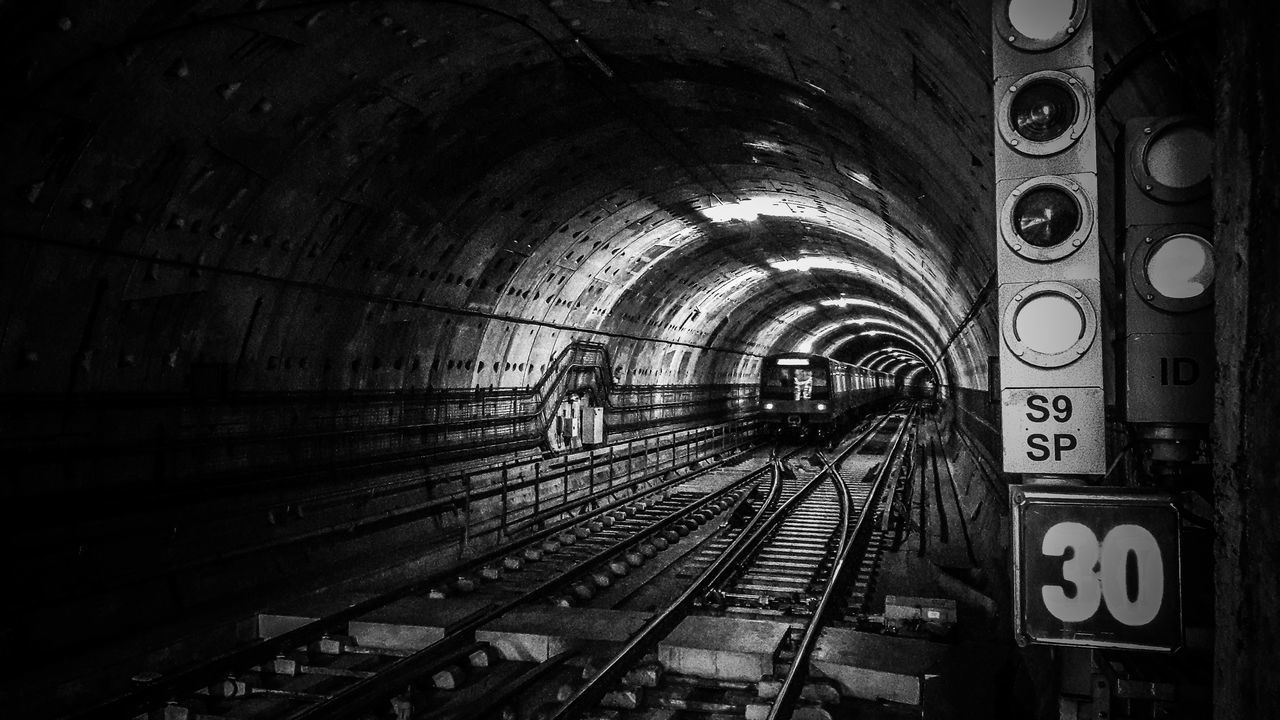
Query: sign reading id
[1169,378]
[1053,430]
[1096,569]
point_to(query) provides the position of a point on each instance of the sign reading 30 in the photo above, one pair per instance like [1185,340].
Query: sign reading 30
[1101,572]
[1098,569]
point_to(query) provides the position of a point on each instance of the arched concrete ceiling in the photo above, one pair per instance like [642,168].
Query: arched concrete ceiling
[378,194]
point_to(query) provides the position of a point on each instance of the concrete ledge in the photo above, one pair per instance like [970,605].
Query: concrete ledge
[874,667]
[412,623]
[537,634]
[722,648]
[282,619]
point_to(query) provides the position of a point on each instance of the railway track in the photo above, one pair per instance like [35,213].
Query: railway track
[792,564]
[772,541]
[318,670]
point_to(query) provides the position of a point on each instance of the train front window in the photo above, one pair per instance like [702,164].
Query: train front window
[794,383]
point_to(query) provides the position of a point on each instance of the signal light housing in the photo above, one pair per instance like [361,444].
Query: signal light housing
[1047,218]
[1049,324]
[1043,112]
[1047,256]
[1169,354]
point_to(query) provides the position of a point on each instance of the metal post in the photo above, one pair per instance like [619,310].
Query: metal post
[630,453]
[537,488]
[466,512]
[610,468]
[591,474]
[502,532]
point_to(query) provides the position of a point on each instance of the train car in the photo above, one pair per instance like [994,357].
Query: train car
[814,395]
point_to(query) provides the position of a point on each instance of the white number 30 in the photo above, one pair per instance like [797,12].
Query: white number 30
[1101,571]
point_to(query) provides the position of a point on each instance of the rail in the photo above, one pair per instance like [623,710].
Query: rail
[753,535]
[792,684]
[394,677]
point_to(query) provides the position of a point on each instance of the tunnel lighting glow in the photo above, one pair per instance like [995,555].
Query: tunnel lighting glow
[877,356]
[848,301]
[799,102]
[817,262]
[750,209]
[1181,266]
[765,145]
[1049,323]
[813,262]
[911,375]
[893,366]
[862,179]
[794,361]
[1041,19]
[818,334]
[891,311]
[908,345]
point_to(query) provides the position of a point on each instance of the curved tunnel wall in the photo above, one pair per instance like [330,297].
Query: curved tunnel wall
[244,191]
[232,230]
[235,232]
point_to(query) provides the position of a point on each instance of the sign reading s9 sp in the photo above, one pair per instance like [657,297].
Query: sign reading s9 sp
[1096,569]
[1053,430]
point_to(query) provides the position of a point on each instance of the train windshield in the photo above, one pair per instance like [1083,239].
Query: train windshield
[794,383]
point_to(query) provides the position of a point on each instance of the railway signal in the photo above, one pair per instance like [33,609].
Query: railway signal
[1168,250]
[1047,251]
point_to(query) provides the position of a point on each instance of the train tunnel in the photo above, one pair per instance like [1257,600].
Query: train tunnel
[294,292]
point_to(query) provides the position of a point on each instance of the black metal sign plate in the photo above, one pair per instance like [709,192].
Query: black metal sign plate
[1096,568]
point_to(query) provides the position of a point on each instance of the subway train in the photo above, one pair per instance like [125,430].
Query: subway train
[805,394]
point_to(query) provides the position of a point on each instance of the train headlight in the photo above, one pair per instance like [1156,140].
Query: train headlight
[768,406]
[822,406]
